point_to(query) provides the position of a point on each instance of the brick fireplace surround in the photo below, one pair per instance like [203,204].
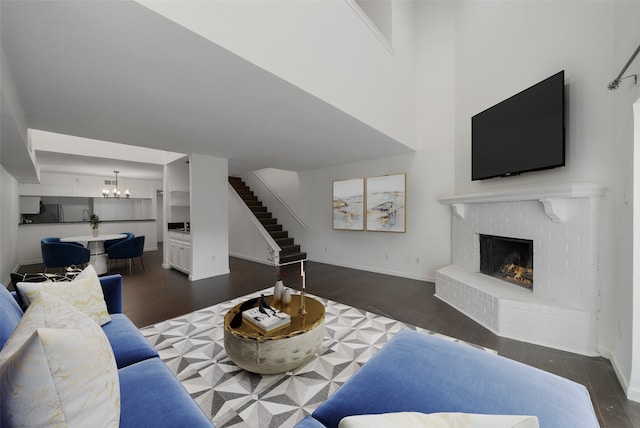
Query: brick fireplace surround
[563,221]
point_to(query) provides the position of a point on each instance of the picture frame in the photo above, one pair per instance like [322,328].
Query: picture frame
[348,204]
[385,202]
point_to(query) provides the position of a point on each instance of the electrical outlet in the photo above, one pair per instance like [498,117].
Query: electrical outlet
[417,260]
[386,256]
[619,329]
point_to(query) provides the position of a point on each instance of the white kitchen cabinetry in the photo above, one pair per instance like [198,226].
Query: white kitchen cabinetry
[29,204]
[180,251]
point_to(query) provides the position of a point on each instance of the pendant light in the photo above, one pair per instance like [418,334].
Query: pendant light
[115,193]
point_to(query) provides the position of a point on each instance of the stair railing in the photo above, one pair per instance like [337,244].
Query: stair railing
[265,234]
[277,196]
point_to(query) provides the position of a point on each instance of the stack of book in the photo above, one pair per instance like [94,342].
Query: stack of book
[266,322]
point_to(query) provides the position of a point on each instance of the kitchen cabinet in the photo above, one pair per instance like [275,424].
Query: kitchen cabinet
[180,251]
[29,204]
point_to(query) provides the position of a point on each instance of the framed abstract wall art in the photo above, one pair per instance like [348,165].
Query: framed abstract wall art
[348,204]
[386,196]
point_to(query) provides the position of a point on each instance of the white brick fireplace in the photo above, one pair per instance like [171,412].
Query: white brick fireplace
[561,310]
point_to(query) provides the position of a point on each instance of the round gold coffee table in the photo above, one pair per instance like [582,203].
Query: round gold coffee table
[281,350]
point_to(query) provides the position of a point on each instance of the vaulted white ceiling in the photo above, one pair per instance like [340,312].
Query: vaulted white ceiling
[116,71]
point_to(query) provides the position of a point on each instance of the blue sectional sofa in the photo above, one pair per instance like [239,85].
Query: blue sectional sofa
[150,395]
[417,372]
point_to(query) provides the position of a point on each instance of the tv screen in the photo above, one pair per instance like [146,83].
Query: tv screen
[522,133]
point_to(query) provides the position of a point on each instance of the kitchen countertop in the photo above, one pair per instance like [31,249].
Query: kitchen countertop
[87,222]
[183,231]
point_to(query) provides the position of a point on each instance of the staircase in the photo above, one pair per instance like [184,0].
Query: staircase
[290,252]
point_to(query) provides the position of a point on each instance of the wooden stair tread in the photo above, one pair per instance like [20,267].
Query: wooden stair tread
[289,251]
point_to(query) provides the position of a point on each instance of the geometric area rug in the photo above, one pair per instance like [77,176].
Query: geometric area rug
[192,346]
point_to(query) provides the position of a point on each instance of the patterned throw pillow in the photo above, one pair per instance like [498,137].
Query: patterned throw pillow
[438,420]
[37,277]
[84,293]
[58,369]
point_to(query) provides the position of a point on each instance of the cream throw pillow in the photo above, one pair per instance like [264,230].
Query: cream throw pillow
[57,369]
[84,293]
[438,420]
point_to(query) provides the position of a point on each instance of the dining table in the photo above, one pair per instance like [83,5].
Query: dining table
[95,244]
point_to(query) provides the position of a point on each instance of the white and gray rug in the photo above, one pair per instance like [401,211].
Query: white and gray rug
[192,346]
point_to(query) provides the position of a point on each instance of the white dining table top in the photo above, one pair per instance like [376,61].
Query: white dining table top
[88,238]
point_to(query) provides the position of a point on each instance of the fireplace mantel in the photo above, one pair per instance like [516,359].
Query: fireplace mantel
[553,198]
[561,310]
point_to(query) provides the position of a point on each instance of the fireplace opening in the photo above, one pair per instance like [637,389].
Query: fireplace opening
[509,259]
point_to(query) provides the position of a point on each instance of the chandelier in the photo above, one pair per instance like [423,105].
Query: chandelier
[115,193]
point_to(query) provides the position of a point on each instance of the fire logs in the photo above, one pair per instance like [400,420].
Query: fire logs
[518,274]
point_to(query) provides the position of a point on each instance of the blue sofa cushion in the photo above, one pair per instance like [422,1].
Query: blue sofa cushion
[10,314]
[128,344]
[423,373]
[112,290]
[309,422]
[144,388]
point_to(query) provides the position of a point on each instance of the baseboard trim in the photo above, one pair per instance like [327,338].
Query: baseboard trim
[251,259]
[374,270]
[632,393]
[619,374]
[345,265]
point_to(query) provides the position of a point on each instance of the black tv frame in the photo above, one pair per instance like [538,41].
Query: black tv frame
[499,113]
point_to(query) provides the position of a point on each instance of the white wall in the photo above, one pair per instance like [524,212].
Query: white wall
[425,246]
[9,219]
[627,350]
[505,47]
[209,216]
[14,126]
[624,303]
[12,106]
[323,47]
[19,159]
[160,222]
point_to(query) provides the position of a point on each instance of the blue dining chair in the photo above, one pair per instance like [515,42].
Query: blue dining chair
[47,240]
[56,254]
[127,250]
[110,242]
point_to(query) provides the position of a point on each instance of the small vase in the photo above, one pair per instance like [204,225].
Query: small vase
[95,232]
[286,296]
[278,290]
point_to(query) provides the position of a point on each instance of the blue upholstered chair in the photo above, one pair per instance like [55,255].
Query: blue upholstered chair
[110,242]
[56,254]
[127,250]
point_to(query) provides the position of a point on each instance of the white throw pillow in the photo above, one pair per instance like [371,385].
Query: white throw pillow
[58,369]
[84,293]
[438,420]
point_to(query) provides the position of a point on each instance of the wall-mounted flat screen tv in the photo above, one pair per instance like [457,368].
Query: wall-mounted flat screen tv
[522,133]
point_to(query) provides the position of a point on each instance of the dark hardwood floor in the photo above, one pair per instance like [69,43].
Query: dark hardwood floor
[159,294]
